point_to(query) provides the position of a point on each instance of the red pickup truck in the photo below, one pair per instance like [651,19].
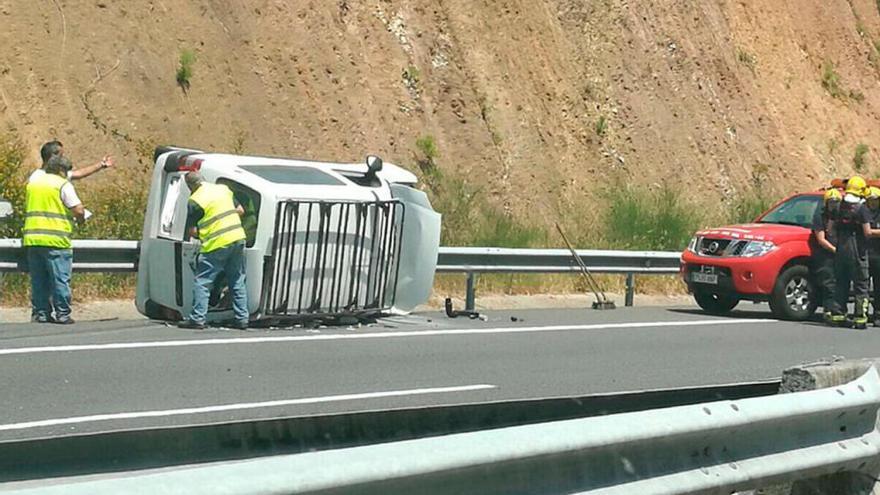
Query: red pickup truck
[765,261]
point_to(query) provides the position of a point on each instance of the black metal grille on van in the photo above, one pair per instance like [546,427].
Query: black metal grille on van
[333,258]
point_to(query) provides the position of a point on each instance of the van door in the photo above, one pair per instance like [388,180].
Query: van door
[171,258]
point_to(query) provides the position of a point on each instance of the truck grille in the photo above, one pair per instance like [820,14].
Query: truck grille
[721,247]
[333,258]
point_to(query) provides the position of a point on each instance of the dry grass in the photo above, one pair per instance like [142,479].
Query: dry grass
[453,285]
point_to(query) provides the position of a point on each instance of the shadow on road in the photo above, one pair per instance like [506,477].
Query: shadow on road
[747,314]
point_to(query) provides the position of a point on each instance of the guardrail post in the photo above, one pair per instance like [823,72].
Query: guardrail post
[469,300]
[630,289]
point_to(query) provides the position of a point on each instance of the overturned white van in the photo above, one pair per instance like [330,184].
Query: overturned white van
[324,240]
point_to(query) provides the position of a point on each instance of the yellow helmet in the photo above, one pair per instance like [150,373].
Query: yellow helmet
[833,194]
[856,185]
[873,193]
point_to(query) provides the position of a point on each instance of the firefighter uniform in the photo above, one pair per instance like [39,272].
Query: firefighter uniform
[851,260]
[823,259]
[873,202]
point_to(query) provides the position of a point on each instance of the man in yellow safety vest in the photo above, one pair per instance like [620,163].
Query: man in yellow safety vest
[216,218]
[51,207]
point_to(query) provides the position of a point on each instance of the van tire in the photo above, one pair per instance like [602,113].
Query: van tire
[716,304]
[794,295]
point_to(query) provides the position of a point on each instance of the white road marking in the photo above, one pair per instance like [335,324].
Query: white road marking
[374,335]
[238,407]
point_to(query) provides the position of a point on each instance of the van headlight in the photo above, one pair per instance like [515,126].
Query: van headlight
[692,245]
[755,249]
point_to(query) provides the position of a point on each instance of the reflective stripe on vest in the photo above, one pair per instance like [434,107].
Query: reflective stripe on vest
[48,222]
[220,225]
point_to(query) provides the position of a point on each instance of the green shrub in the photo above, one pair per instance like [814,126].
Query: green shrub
[426,159]
[747,59]
[859,158]
[498,229]
[428,148]
[13,177]
[185,68]
[601,126]
[637,218]
[412,76]
[831,81]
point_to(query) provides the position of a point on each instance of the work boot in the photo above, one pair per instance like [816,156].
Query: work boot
[860,323]
[837,320]
[239,325]
[194,325]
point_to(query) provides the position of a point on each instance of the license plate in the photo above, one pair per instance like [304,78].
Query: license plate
[704,278]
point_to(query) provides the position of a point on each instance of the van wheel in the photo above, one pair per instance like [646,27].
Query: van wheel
[716,304]
[794,296]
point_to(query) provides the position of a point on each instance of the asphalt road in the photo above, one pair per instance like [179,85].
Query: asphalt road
[101,376]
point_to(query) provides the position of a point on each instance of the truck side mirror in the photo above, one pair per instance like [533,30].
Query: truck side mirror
[374,165]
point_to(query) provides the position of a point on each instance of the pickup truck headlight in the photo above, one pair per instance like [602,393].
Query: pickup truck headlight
[692,245]
[755,249]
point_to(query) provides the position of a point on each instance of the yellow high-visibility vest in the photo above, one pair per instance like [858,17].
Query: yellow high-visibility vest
[221,225]
[48,223]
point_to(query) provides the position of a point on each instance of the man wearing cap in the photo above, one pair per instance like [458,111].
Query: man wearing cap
[215,218]
[51,208]
[822,245]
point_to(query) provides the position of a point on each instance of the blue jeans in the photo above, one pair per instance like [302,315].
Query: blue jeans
[228,260]
[50,270]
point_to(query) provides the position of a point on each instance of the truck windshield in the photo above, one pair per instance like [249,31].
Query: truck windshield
[798,210]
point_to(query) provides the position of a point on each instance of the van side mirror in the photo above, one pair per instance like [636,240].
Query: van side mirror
[374,165]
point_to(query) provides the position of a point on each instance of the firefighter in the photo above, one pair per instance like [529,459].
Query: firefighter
[872,201]
[823,250]
[215,217]
[851,226]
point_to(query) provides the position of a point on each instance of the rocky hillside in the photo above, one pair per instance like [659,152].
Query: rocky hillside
[543,103]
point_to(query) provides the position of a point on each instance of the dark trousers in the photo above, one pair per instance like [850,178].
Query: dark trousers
[849,267]
[874,271]
[823,270]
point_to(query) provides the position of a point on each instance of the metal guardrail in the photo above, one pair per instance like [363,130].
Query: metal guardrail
[93,255]
[180,445]
[122,256]
[475,260]
[716,447]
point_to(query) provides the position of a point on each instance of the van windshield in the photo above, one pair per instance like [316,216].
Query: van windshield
[798,210]
[283,174]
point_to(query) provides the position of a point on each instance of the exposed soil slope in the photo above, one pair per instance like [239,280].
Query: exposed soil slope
[698,93]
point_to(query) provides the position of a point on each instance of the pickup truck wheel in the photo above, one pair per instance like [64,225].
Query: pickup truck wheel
[793,297]
[716,304]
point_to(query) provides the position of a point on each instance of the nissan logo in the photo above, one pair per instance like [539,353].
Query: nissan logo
[713,248]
